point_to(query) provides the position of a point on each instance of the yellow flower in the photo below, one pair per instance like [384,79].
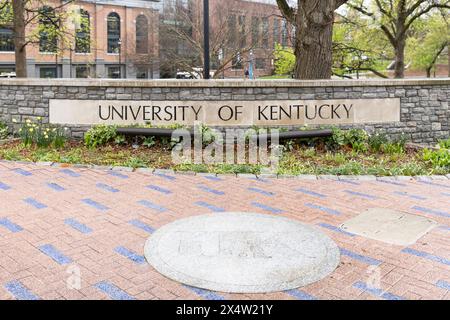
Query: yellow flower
[31,130]
[28,121]
[39,118]
[14,120]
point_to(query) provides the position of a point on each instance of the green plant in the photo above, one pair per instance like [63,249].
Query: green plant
[135,162]
[437,158]
[445,144]
[377,141]
[355,138]
[396,146]
[120,139]
[4,130]
[100,135]
[393,148]
[149,142]
[42,135]
[208,135]
[289,145]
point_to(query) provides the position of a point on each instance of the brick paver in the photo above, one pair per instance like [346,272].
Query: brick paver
[56,224]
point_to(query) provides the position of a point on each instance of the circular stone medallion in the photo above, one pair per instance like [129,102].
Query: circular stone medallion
[242,253]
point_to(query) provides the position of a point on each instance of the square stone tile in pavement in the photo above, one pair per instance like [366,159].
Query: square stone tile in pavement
[57,224]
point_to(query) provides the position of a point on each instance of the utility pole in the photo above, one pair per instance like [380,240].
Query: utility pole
[120,57]
[206,68]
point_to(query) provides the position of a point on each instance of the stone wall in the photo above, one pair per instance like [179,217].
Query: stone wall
[425,113]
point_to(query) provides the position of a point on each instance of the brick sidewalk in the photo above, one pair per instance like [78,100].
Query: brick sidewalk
[56,222]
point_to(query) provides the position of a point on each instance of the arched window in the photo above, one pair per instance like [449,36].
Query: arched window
[83,33]
[48,28]
[142,34]
[113,26]
[6,38]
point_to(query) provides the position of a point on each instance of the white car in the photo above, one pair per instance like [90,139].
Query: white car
[8,75]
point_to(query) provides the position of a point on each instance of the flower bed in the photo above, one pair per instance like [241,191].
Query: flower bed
[351,152]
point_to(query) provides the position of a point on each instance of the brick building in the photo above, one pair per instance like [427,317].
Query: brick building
[128,39]
[241,31]
[121,36]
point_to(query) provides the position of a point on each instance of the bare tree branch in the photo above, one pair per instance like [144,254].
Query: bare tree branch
[287,11]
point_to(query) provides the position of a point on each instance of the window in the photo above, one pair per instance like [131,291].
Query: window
[265,33]
[232,32]
[48,41]
[284,33]
[242,31]
[47,72]
[114,72]
[113,29]
[236,62]
[142,34]
[83,33]
[255,32]
[6,39]
[260,63]
[82,71]
[142,73]
[276,32]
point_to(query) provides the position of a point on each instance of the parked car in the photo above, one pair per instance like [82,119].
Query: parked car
[196,73]
[8,75]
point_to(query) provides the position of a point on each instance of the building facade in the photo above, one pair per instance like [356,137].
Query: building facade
[105,39]
[243,35]
[135,39]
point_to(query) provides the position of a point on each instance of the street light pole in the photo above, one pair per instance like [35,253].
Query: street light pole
[206,59]
[120,57]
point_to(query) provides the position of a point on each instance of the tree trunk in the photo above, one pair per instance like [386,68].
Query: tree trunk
[19,38]
[314,34]
[400,58]
[429,72]
[448,54]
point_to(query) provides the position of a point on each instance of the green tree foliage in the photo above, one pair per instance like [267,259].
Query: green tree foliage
[430,38]
[358,46]
[284,60]
[396,19]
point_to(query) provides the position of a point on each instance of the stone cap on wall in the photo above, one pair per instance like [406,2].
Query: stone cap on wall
[174,83]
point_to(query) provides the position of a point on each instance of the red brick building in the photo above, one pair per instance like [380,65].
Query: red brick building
[242,32]
[128,39]
[122,36]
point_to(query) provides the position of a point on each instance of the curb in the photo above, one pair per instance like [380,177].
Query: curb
[265,176]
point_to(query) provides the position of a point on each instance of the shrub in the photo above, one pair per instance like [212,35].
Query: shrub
[438,158]
[100,135]
[149,142]
[397,145]
[4,130]
[377,141]
[445,144]
[208,135]
[42,135]
[354,138]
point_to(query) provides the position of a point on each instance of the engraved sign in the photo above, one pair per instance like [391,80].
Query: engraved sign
[225,113]
[242,252]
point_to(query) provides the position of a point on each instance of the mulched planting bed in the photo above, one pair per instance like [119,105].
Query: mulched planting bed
[298,160]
